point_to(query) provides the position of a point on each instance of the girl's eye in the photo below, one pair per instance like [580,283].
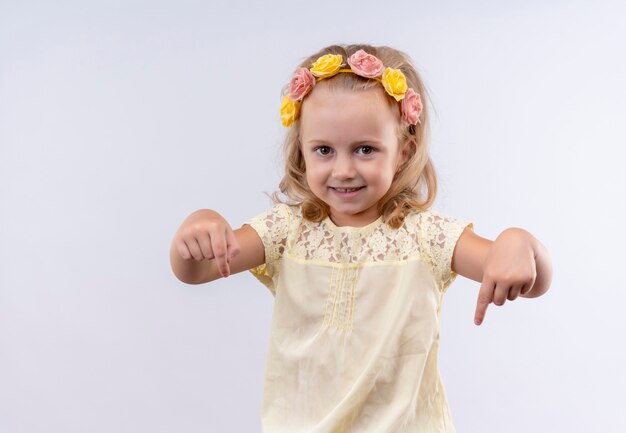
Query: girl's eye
[367,150]
[323,150]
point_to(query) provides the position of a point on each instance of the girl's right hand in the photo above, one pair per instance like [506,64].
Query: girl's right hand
[206,235]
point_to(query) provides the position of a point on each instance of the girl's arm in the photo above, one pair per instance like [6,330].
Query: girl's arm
[469,255]
[203,249]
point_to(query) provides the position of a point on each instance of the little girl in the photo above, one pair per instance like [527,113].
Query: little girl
[356,260]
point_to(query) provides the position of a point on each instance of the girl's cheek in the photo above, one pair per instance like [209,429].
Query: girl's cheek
[375,167]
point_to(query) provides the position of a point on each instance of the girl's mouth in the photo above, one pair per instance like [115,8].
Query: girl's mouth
[347,189]
[347,192]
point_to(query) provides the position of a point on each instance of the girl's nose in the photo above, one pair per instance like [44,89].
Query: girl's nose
[343,168]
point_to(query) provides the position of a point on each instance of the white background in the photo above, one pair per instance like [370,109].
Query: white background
[119,118]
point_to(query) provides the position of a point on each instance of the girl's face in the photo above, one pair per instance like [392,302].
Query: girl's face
[351,151]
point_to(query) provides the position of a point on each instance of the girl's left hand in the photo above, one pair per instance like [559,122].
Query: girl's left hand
[508,271]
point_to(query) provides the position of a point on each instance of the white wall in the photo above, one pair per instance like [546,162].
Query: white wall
[118,119]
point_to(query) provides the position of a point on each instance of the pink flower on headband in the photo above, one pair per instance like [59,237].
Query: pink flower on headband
[301,83]
[365,64]
[411,108]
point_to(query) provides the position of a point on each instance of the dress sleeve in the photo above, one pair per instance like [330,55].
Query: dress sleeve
[440,233]
[272,226]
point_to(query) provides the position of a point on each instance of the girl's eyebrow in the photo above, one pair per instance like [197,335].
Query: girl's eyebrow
[366,140]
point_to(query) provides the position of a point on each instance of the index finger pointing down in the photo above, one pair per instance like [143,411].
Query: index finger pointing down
[485,296]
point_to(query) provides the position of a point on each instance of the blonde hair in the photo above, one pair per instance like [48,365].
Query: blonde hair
[414,186]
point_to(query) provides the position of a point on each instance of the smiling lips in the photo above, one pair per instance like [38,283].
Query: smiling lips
[347,189]
[347,193]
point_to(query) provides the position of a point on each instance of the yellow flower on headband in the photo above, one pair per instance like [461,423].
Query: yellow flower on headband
[327,66]
[394,82]
[289,111]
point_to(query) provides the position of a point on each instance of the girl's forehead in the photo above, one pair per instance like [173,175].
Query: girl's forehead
[333,114]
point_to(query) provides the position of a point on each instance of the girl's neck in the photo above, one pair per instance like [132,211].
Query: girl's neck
[356,221]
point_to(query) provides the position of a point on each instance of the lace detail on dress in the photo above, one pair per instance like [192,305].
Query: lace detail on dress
[375,243]
[273,228]
[441,233]
[428,235]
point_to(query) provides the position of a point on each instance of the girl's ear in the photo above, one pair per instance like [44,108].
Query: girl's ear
[405,152]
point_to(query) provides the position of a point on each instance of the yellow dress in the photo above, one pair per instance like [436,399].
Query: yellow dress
[355,328]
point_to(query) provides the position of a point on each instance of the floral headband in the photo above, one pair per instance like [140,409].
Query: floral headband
[361,63]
